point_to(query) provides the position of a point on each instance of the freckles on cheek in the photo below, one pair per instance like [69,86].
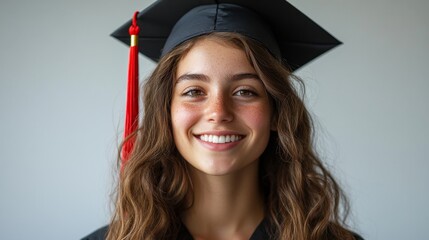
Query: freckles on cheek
[258,116]
[183,116]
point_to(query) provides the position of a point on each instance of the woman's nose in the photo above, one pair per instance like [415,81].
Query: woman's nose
[219,109]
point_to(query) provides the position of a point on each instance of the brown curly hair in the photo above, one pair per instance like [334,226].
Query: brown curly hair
[302,199]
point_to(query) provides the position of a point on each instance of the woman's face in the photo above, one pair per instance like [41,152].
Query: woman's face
[220,110]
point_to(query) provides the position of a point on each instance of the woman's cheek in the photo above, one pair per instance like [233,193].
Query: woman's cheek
[184,115]
[258,116]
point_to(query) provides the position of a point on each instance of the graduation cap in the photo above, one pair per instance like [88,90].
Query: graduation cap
[285,31]
[275,22]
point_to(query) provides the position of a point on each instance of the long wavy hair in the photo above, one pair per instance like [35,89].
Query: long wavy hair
[302,199]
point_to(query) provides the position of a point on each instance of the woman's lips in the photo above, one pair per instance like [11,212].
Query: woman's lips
[219,142]
[212,138]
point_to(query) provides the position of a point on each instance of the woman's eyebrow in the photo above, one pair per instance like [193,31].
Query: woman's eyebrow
[241,76]
[205,78]
[192,76]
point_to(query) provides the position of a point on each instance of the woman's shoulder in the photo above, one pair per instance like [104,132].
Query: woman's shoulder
[99,234]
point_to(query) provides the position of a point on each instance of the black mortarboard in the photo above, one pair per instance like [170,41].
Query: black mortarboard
[283,29]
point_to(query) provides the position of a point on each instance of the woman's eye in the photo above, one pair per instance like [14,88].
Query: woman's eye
[245,93]
[193,93]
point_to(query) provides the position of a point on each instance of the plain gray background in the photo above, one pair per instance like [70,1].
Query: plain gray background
[62,92]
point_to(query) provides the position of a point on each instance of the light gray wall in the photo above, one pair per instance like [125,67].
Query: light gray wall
[62,86]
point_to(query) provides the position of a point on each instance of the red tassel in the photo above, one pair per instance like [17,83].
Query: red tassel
[132,108]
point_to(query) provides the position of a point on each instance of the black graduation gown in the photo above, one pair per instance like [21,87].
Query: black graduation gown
[259,234]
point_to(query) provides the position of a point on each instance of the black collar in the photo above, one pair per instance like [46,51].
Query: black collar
[260,232]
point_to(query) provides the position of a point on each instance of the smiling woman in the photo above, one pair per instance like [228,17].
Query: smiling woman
[218,96]
[224,150]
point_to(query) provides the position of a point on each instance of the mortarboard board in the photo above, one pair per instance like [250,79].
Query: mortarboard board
[285,31]
[282,28]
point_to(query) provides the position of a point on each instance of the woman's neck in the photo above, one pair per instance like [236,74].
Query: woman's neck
[225,207]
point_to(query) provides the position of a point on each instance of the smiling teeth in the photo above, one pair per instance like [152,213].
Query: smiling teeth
[220,139]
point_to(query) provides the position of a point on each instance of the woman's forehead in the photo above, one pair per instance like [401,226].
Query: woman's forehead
[214,56]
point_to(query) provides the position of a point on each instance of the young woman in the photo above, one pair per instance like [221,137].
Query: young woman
[225,151]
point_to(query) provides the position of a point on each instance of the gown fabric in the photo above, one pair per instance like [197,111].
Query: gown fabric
[259,234]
